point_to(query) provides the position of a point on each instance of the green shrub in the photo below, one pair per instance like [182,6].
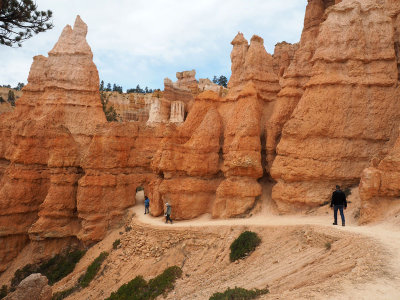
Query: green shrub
[239,294]
[139,289]
[54,269]
[64,294]
[116,243]
[164,282]
[92,270]
[3,291]
[135,289]
[243,245]
[21,274]
[60,266]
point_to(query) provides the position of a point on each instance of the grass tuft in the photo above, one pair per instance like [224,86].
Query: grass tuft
[328,245]
[244,245]
[239,294]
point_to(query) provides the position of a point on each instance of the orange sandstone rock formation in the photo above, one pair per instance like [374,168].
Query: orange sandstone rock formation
[293,77]
[313,115]
[42,143]
[348,113]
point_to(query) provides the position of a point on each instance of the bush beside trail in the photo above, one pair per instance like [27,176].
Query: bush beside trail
[244,245]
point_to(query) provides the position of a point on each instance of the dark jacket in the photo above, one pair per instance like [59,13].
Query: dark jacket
[168,210]
[339,198]
[147,202]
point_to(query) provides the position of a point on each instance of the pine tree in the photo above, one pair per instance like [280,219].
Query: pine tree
[11,97]
[101,88]
[20,20]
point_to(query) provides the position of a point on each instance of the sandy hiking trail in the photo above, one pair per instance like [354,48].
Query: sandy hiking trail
[293,260]
[385,235]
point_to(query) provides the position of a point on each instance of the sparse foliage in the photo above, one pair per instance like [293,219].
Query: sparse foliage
[3,291]
[239,294]
[54,269]
[116,243]
[244,245]
[19,86]
[138,288]
[221,80]
[328,245]
[139,90]
[2,99]
[117,88]
[11,97]
[109,110]
[92,270]
[20,20]
[64,294]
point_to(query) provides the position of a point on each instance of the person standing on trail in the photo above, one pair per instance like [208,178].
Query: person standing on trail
[146,205]
[168,213]
[338,203]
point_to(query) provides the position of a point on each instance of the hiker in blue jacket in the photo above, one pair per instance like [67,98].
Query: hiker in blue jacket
[338,202]
[146,205]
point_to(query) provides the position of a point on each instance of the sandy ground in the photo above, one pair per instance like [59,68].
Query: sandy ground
[293,260]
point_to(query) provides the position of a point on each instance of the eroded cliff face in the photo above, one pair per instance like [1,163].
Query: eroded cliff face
[348,113]
[380,187]
[42,143]
[294,74]
[313,115]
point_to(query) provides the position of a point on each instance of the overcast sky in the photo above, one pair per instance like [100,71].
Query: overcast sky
[144,41]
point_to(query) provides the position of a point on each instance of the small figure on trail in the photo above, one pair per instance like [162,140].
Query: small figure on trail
[338,203]
[168,213]
[146,205]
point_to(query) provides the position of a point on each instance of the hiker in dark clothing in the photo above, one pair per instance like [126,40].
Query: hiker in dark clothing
[338,203]
[146,205]
[168,213]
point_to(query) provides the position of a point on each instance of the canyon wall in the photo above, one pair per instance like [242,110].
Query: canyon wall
[348,113]
[315,114]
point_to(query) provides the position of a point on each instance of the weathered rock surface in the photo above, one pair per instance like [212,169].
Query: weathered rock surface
[118,162]
[293,77]
[34,287]
[131,106]
[189,160]
[380,187]
[348,113]
[42,143]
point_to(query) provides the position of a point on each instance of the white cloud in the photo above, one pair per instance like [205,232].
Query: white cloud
[143,41]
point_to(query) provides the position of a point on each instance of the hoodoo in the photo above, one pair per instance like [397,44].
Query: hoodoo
[322,112]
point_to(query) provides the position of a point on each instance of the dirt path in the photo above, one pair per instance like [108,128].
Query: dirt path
[385,235]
